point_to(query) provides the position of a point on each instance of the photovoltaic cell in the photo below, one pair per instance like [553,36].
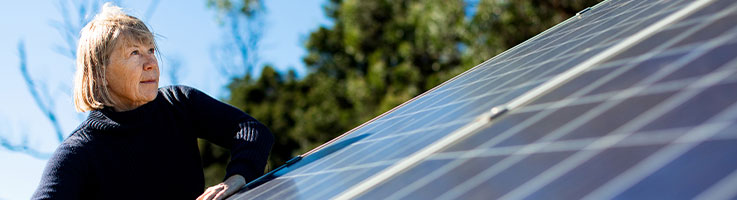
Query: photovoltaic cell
[656,120]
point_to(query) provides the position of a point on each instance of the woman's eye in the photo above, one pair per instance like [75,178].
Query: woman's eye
[151,50]
[135,52]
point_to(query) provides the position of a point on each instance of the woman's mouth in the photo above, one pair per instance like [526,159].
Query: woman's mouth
[148,81]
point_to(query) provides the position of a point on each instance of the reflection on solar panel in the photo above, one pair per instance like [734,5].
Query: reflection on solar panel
[632,99]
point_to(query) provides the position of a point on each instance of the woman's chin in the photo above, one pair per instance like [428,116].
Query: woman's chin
[150,94]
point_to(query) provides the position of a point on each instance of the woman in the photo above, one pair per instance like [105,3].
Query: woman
[140,141]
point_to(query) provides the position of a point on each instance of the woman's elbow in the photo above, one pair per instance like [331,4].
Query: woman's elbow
[265,136]
[269,137]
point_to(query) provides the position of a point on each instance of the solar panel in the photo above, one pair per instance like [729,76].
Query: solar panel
[608,129]
[654,121]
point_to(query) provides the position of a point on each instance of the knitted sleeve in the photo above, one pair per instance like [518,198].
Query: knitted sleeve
[65,173]
[249,141]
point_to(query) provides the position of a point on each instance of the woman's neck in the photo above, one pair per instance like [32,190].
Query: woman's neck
[122,104]
[125,107]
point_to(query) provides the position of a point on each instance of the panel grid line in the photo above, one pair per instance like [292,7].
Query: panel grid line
[657,88]
[653,138]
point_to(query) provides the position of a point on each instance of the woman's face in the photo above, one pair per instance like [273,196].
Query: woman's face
[132,74]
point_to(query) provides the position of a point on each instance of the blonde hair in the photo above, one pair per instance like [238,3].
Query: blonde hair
[96,42]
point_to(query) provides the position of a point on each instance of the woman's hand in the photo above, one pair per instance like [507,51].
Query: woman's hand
[224,189]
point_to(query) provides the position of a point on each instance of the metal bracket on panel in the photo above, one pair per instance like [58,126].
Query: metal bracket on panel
[494,113]
[497,111]
[578,15]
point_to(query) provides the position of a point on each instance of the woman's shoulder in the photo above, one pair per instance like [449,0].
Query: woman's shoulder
[74,146]
[79,138]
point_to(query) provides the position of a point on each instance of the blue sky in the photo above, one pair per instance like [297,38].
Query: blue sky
[189,33]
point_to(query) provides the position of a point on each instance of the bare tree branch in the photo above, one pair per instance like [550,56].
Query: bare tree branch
[24,148]
[69,26]
[244,26]
[151,8]
[38,95]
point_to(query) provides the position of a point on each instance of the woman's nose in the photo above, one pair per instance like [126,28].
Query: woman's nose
[150,63]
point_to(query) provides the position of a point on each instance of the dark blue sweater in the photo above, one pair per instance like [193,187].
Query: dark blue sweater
[151,152]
